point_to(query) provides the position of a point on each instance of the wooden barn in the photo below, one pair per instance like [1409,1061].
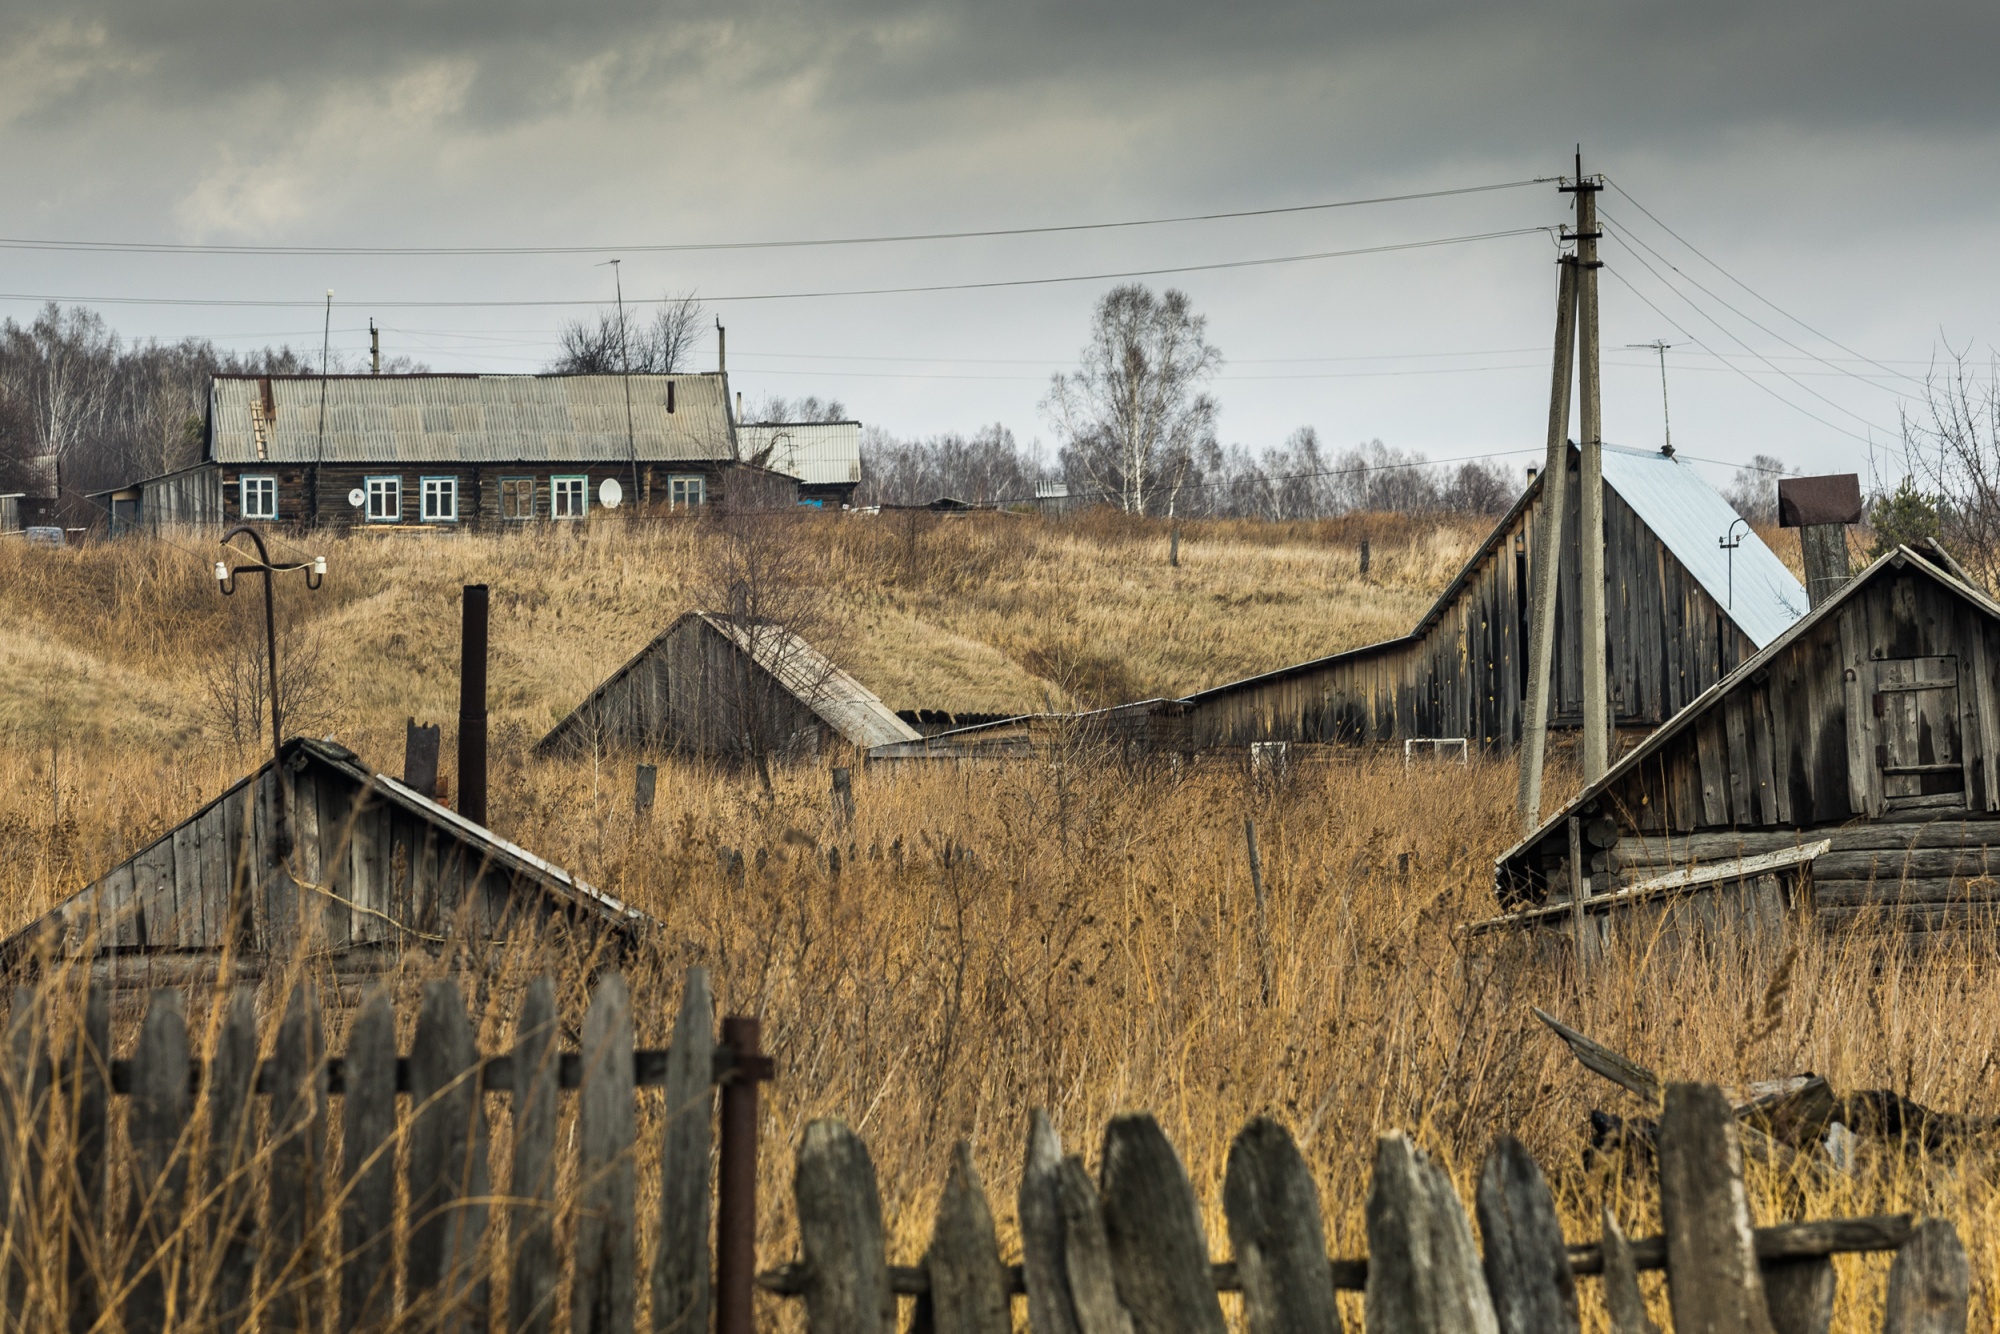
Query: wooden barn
[1684,612]
[1849,771]
[708,685]
[376,870]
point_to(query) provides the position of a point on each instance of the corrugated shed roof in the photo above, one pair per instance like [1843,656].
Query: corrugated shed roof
[470,419]
[1690,519]
[817,453]
[842,702]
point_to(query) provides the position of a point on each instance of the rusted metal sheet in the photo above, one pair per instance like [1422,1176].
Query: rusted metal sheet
[1805,502]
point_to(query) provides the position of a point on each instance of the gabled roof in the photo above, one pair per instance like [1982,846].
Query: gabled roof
[840,701]
[817,453]
[1751,584]
[298,753]
[470,419]
[1677,506]
[1936,566]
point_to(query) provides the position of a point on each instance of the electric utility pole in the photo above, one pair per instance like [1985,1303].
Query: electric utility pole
[1590,483]
[1546,557]
[1666,422]
[625,365]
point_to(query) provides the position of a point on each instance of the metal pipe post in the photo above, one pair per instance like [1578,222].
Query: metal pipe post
[472,707]
[736,1178]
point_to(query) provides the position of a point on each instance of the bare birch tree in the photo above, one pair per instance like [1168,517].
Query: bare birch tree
[1951,447]
[1135,406]
[664,345]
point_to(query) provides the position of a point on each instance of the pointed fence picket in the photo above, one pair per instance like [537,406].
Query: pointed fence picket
[231,1215]
[225,1218]
[1129,1254]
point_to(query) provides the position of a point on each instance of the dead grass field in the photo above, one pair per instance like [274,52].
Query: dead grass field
[1069,934]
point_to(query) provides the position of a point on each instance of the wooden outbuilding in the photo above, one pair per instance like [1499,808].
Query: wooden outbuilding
[1683,613]
[1850,770]
[376,870]
[708,685]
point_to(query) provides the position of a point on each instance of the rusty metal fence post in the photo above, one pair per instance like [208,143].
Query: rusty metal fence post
[736,1176]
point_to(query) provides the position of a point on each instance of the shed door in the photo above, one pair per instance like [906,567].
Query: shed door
[1917,749]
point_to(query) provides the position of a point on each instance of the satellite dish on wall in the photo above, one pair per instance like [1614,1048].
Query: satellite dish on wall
[357,497]
[609,493]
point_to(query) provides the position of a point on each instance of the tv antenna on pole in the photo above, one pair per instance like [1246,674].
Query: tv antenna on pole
[1666,422]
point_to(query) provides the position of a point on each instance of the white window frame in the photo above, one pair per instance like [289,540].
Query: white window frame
[560,496]
[265,485]
[434,486]
[506,482]
[687,491]
[376,486]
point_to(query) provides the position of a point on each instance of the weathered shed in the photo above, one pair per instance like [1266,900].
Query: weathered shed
[1850,768]
[1147,727]
[824,456]
[376,870]
[709,685]
[1684,612]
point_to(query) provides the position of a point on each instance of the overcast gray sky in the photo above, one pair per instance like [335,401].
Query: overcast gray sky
[1839,159]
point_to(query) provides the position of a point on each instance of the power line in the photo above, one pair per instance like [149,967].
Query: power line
[226,248]
[802,296]
[1618,235]
[1745,286]
[1626,237]
[1683,331]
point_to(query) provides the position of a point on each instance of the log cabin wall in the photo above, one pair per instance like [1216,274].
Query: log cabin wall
[1462,672]
[489,495]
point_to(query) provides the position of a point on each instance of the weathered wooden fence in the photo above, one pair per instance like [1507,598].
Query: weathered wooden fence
[224,1204]
[396,1226]
[1127,1254]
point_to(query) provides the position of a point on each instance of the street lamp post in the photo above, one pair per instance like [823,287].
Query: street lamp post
[225,575]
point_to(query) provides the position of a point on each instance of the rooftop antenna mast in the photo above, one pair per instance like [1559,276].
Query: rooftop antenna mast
[1666,422]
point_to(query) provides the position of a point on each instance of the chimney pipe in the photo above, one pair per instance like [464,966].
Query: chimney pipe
[472,708]
[1821,508]
[721,349]
[374,349]
[739,406]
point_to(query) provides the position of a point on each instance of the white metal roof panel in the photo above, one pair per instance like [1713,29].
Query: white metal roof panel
[1690,518]
[817,453]
[471,419]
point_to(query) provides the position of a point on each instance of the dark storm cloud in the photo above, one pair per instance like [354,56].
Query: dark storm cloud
[1394,70]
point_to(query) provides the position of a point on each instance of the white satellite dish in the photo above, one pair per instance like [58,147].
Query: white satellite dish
[357,497]
[609,493]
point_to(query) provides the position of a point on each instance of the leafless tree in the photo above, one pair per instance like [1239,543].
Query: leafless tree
[1951,445]
[237,682]
[59,368]
[761,581]
[1135,405]
[1753,491]
[984,467]
[810,408]
[663,345]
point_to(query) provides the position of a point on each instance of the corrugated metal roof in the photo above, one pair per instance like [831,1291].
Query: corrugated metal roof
[1690,519]
[817,453]
[470,419]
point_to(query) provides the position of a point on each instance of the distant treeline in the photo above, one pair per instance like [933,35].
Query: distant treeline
[78,401]
[1300,479]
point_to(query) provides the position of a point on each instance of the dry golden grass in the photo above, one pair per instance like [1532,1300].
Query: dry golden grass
[1068,934]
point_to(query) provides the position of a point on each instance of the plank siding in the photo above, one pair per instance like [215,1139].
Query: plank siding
[1459,673]
[359,842]
[1899,672]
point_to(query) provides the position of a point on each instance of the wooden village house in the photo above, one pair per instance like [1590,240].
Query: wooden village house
[453,451]
[1847,772]
[376,870]
[1684,612]
[708,685]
